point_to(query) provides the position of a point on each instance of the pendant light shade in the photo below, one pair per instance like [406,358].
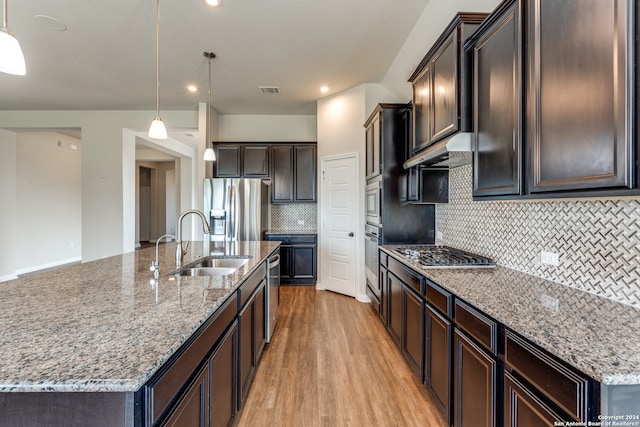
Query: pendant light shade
[157,130]
[11,57]
[209,154]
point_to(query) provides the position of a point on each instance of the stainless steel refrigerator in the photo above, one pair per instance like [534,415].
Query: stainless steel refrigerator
[237,208]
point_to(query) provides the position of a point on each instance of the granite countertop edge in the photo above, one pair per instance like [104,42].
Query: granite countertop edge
[599,342]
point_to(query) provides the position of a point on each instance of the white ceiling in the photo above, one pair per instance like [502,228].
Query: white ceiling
[106,57]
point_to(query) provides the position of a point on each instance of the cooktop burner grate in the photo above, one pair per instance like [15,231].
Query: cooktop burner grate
[444,256]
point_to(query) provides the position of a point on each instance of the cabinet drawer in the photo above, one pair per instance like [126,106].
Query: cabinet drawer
[411,279]
[439,298]
[476,324]
[562,385]
[383,258]
[251,284]
[166,387]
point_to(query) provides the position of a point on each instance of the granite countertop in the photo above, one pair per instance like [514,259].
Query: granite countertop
[596,335]
[102,326]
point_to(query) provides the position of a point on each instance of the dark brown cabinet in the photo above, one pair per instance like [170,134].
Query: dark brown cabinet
[241,161]
[475,384]
[192,410]
[497,106]
[522,408]
[298,258]
[293,173]
[413,329]
[579,95]
[438,333]
[554,100]
[395,305]
[251,327]
[372,149]
[222,392]
[441,85]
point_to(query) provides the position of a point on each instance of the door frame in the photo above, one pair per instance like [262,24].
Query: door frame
[359,255]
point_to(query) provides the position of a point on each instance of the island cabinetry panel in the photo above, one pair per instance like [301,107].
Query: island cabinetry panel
[298,258]
[522,408]
[251,327]
[222,372]
[192,408]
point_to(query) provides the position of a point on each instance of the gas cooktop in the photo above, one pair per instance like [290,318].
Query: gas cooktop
[436,256]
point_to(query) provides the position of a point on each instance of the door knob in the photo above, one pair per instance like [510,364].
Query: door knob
[351,234]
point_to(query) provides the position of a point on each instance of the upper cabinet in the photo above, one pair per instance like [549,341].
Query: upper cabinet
[241,161]
[554,99]
[293,173]
[579,94]
[441,85]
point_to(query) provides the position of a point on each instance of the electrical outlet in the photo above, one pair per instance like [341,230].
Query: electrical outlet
[438,235]
[300,222]
[549,258]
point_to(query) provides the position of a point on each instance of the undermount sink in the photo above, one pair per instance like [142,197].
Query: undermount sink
[206,271]
[233,263]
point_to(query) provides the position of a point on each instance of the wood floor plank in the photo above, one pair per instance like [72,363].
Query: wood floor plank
[332,363]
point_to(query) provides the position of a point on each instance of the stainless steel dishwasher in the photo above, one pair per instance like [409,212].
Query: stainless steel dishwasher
[273,292]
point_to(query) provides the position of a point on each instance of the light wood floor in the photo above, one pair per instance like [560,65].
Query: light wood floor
[331,363]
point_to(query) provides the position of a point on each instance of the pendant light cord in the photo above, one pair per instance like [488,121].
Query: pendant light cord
[157,58]
[4,15]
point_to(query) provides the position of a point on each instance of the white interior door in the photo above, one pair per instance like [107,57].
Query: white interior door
[339,213]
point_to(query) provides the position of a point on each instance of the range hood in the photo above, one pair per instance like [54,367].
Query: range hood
[450,153]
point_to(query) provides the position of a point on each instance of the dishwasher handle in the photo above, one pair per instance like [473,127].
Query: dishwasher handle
[274,261]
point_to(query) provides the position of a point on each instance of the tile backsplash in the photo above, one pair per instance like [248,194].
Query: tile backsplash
[287,215]
[598,241]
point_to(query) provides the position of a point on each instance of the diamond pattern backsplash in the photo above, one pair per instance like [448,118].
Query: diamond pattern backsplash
[286,216]
[598,241]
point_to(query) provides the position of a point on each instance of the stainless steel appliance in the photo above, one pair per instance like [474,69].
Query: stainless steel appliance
[273,292]
[373,202]
[371,242]
[437,256]
[237,208]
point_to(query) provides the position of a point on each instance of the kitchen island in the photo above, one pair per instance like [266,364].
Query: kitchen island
[98,332]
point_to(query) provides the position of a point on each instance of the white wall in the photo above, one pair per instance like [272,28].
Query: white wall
[340,130]
[7,204]
[48,200]
[102,167]
[266,128]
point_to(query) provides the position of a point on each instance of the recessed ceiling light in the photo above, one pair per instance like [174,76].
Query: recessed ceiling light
[192,88]
[324,89]
[212,2]
[49,23]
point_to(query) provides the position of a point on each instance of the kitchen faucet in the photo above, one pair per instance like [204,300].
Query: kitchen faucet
[180,250]
[155,265]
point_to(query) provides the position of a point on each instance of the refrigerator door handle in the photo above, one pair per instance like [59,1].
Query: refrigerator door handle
[233,213]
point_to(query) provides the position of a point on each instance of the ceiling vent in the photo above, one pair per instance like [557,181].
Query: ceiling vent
[269,90]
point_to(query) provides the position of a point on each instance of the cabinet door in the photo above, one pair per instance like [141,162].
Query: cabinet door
[368,150]
[438,334]
[422,110]
[474,384]
[445,89]
[373,148]
[305,173]
[304,262]
[497,108]
[523,409]
[413,334]
[382,279]
[191,411]
[255,161]
[260,323]
[282,173]
[227,164]
[222,393]
[245,349]
[395,307]
[578,85]
[286,268]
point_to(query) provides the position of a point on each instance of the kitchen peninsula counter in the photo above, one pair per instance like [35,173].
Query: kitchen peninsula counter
[102,326]
[596,335]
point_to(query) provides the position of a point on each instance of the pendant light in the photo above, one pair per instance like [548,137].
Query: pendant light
[157,130]
[11,57]
[209,154]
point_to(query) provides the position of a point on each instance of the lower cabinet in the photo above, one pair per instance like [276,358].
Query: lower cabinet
[394,304]
[438,332]
[413,327]
[474,384]
[222,393]
[191,411]
[251,324]
[298,258]
[522,408]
